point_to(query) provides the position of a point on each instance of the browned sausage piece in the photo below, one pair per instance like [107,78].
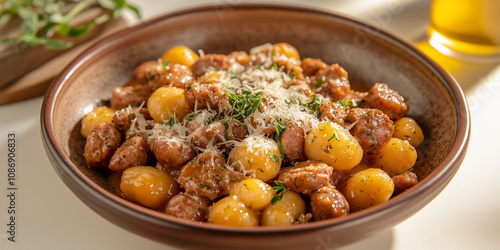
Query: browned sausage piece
[355,98]
[372,128]
[206,134]
[175,75]
[146,71]
[306,177]
[332,111]
[202,175]
[327,202]
[101,143]
[170,149]
[331,82]
[156,75]
[293,140]
[387,100]
[133,152]
[133,96]
[311,66]
[235,130]
[404,181]
[210,61]
[122,119]
[201,96]
[188,206]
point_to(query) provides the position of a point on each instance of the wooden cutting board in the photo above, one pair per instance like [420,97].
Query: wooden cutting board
[26,72]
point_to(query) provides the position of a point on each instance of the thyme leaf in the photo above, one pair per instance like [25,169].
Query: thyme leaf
[245,104]
[279,191]
[274,157]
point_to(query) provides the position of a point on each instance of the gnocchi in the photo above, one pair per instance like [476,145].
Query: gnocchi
[167,104]
[408,129]
[233,212]
[148,186]
[179,55]
[255,193]
[396,157]
[284,212]
[258,156]
[368,188]
[101,114]
[333,145]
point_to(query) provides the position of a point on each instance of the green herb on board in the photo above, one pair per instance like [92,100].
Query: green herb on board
[44,20]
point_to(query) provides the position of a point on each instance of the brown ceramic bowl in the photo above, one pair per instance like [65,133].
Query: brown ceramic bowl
[369,55]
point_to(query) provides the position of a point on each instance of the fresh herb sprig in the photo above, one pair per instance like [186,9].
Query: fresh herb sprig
[347,104]
[313,105]
[245,104]
[42,20]
[279,190]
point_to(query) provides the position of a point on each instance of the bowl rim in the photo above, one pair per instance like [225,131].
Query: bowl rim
[448,167]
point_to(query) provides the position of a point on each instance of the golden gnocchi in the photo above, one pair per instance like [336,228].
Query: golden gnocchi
[396,157]
[179,54]
[167,104]
[408,129]
[232,212]
[333,145]
[101,114]
[284,212]
[257,156]
[255,193]
[148,186]
[368,188]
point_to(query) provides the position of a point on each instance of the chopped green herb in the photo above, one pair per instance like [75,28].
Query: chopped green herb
[275,66]
[279,129]
[279,191]
[274,157]
[166,64]
[334,136]
[313,105]
[244,104]
[226,133]
[170,121]
[348,103]
[233,74]
[189,116]
[287,82]
[365,132]
[319,82]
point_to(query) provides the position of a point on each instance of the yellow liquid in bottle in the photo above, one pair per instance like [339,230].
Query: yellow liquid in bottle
[466,26]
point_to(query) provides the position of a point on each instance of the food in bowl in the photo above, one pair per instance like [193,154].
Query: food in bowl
[249,139]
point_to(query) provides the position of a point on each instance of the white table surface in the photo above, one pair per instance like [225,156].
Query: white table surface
[466,215]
